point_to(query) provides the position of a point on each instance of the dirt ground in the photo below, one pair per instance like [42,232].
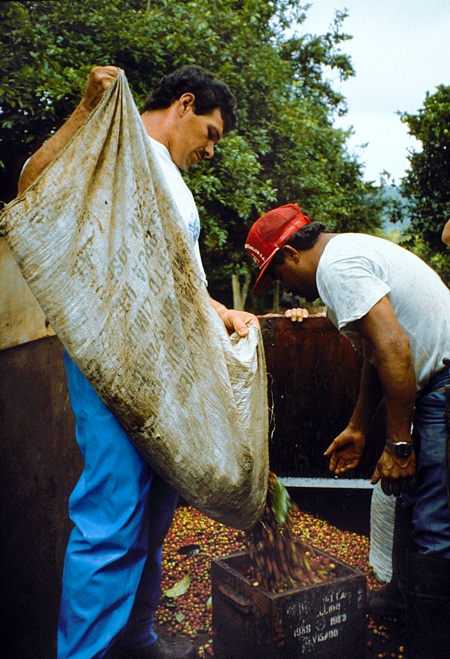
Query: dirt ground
[385,638]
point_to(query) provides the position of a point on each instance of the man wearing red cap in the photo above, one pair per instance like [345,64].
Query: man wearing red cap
[372,289]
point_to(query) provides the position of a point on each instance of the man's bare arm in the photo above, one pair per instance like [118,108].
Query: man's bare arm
[99,80]
[446,234]
[346,449]
[394,365]
[397,377]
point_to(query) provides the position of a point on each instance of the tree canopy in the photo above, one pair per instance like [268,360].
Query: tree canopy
[426,185]
[286,148]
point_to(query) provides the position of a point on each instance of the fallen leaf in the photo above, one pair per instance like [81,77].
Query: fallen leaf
[179,588]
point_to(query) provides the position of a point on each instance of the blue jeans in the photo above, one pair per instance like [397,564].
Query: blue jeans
[431,519]
[121,512]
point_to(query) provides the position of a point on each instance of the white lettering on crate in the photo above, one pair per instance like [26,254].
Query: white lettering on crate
[339,619]
[302,630]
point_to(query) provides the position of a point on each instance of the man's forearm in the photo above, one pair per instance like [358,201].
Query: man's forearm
[398,380]
[395,367]
[99,80]
[369,399]
[50,149]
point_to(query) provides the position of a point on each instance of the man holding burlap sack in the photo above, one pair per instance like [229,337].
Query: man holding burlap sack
[120,507]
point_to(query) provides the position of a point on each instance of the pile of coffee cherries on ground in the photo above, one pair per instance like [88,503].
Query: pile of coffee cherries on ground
[194,540]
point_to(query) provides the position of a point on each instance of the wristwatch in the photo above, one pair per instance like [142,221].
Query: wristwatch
[403,449]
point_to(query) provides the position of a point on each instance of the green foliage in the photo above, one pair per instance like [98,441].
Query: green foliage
[438,260]
[281,502]
[427,183]
[286,148]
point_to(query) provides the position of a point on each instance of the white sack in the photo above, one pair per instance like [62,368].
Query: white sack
[100,243]
[382,515]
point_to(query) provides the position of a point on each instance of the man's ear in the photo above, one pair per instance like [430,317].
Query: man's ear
[186,101]
[290,253]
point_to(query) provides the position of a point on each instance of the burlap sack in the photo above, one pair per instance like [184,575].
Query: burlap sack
[100,243]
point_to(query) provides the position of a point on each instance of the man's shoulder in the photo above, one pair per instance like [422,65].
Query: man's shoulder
[359,247]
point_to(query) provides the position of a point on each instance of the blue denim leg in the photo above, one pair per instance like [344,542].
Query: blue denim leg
[107,553]
[161,506]
[431,519]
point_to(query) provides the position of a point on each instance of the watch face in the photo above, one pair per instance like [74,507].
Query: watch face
[403,450]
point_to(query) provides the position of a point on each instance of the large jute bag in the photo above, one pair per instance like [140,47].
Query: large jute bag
[100,243]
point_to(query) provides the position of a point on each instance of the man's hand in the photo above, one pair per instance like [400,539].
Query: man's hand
[238,321]
[397,474]
[297,315]
[345,451]
[234,320]
[100,78]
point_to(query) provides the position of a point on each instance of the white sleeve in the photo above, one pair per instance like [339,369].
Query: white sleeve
[350,288]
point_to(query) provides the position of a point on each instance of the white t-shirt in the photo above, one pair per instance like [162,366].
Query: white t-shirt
[182,195]
[356,270]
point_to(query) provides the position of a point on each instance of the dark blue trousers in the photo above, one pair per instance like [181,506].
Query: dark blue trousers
[431,519]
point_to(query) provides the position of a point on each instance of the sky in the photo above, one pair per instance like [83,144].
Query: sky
[400,51]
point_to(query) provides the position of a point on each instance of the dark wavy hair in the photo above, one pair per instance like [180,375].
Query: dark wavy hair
[210,93]
[305,238]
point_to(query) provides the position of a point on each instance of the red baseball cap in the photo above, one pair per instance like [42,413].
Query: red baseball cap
[268,234]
